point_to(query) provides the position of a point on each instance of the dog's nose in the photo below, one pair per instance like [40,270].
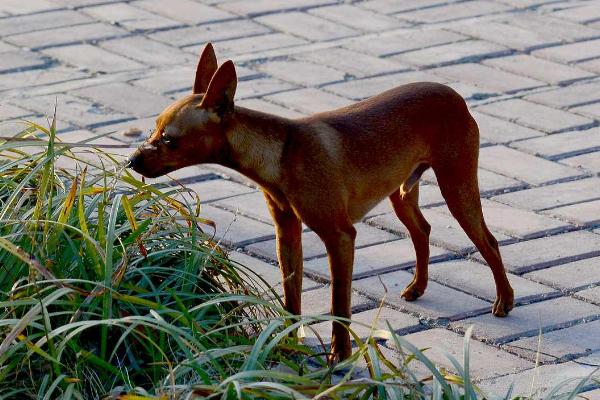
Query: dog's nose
[132,160]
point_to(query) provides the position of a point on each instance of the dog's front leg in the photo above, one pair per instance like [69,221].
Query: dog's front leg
[340,248]
[288,230]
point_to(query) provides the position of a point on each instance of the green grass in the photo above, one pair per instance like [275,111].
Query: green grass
[111,288]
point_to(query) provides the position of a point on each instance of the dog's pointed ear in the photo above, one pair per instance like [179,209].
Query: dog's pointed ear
[207,65]
[220,92]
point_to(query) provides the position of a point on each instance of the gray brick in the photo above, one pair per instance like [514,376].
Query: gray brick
[93,58]
[261,87]
[149,52]
[5,47]
[454,11]
[572,52]
[539,69]
[21,60]
[591,65]
[377,259]
[570,96]
[8,111]
[394,6]
[46,20]
[402,42]
[553,196]
[267,106]
[434,304]
[591,294]
[485,361]
[512,36]
[270,273]
[318,302]
[591,395]
[562,344]
[199,35]
[569,276]
[589,161]
[468,50]
[582,214]
[356,64]
[359,89]
[492,182]
[66,35]
[488,80]
[357,18]
[306,26]
[477,279]
[142,125]
[301,72]
[525,167]
[217,189]
[548,251]
[30,6]
[536,116]
[167,81]
[251,204]
[590,110]
[256,7]
[309,100]
[42,80]
[527,320]
[235,229]
[553,27]
[126,98]
[129,17]
[587,13]
[500,131]
[563,144]
[187,11]
[256,45]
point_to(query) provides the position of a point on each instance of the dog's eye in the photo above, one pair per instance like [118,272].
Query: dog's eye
[167,140]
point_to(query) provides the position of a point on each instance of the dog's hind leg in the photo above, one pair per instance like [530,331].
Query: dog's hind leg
[406,206]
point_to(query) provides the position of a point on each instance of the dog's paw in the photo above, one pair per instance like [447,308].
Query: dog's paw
[502,306]
[412,292]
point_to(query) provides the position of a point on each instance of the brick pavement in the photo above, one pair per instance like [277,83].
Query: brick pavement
[528,68]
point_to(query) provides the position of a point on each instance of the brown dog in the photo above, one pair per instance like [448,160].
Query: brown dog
[328,170]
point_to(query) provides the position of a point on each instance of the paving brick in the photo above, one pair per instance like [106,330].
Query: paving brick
[591,65]
[454,11]
[118,130]
[256,7]
[587,13]
[511,36]
[485,361]
[591,294]
[187,11]
[268,107]
[377,259]
[396,43]
[477,279]
[318,302]
[251,204]
[445,230]
[590,395]
[309,100]
[270,273]
[536,116]
[8,111]
[573,52]
[553,27]
[393,6]
[261,87]
[255,45]
[468,50]
[148,52]
[562,344]
[553,196]
[540,69]
[312,246]
[525,167]
[235,229]
[301,72]
[73,109]
[39,21]
[200,35]
[354,63]
[357,18]
[438,302]
[129,17]
[548,251]
[306,26]
[527,320]
[53,79]
[582,214]
[488,80]
[217,189]
[570,96]
[589,161]
[590,110]
[569,276]
[66,35]
[359,89]
[93,58]
[20,60]
[498,130]
[562,145]
[125,98]
[30,6]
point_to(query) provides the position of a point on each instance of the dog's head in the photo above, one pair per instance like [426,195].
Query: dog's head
[192,129]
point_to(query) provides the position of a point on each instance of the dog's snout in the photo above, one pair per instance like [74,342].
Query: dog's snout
[133,160]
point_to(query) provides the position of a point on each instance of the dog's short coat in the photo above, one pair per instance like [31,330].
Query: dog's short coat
[329,169]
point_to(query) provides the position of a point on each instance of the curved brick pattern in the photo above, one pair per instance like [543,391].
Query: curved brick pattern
[528,69]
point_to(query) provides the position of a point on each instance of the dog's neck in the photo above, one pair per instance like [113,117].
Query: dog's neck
[256,142]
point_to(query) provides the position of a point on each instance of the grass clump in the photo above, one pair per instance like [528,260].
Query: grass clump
[111,288]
